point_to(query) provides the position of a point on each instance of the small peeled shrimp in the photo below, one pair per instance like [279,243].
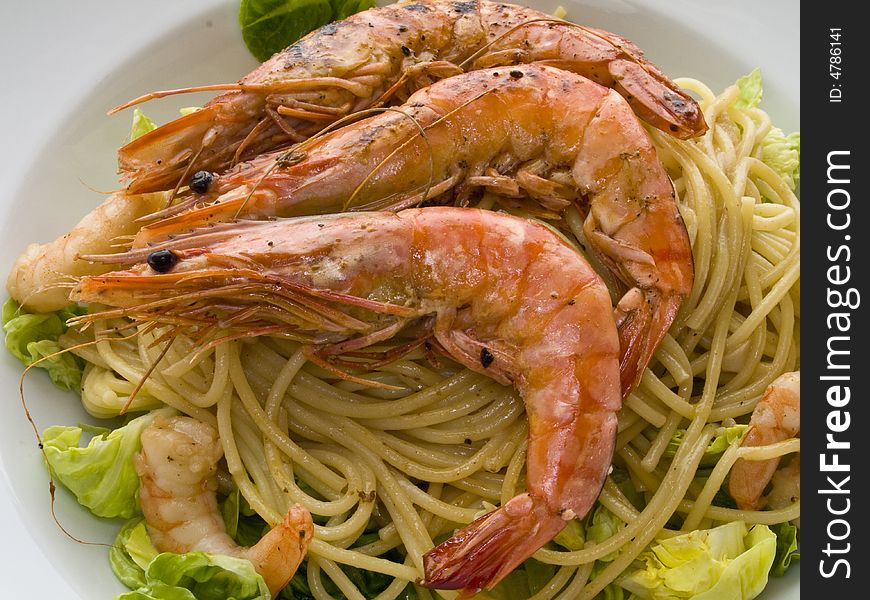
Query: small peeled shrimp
[504,296]
[41,277]
[176,469]
[777,417]
[382,54]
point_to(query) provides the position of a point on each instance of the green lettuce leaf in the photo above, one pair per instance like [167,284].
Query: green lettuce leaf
[750,90]
[601,525]
[101,475]
[572,537]
[141,124]
[726,562]
[33,336]
[782,153]
[269,26]
[131,553]
[786,548]
[717,445]
[199,576]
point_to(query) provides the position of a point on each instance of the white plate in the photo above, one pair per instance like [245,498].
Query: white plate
[64,63]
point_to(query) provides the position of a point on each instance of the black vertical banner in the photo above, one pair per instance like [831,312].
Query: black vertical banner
[835,354]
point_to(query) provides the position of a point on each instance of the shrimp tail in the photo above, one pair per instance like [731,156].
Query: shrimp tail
[278,554]
[642,321]
[484,552]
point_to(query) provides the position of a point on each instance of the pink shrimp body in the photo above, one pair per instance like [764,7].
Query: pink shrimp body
[776,417]
[506,297]
[378,56]
[176,469]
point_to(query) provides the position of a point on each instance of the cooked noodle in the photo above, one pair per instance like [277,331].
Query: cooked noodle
[422,462]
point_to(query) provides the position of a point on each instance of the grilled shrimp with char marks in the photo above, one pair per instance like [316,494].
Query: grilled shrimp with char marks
[176,468]
[507,298]
[530,132]
[378,56]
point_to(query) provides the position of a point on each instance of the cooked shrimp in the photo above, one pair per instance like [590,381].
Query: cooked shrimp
[42,276]
[176,469]
[528,131]
[506,297]
[378,56]
[785,486]
[776,417]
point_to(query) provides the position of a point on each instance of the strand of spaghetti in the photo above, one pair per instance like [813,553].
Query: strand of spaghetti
[359,480]
[732,403]
[617,502]
[512,440]
[660,391]
[651,480]
[335,401]
[627,435]
[234,460]
[679,374]
[343,431]
[340,579]
[510,487]
[433,505]
[763,517]
[644,410]
[556,583]
[462,405]
[660,443]
[773,297]
[291,449]
[581,577]
[711,486]
[164,394]
[491,421]
[766,452]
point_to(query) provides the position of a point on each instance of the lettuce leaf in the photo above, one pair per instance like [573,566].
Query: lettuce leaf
[717,445]
[750,90]
[33,336]
[269,26]
[141,124]
[199,576]
[782,153]
[726,562]
[786,548]
[131,553]
[101,475]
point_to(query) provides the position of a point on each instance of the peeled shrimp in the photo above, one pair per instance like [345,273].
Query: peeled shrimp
[530,132]
[775,418]
[379,56]
[504,296]
[176,469]
[41,277]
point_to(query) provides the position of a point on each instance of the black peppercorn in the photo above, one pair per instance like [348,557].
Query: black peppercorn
[201,181]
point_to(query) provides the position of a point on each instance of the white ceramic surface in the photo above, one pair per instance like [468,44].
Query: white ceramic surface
[64,63]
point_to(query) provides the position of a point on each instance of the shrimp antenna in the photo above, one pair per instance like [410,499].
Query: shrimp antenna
[51,485]
[183,177]
[144,378]
[421,133]
[355,88]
